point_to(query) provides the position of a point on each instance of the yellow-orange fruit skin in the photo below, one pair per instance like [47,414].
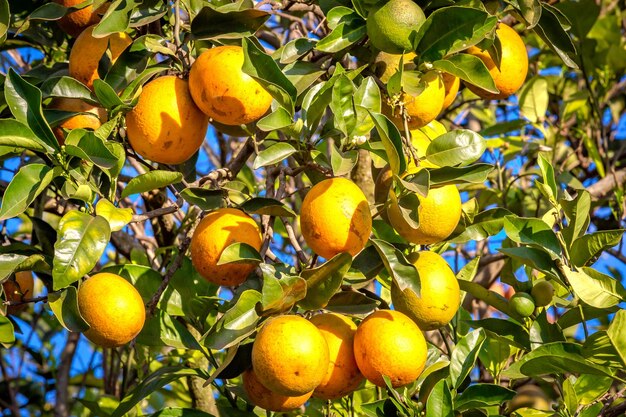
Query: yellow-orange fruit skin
[335,218]
[262,397]
[389,343]
[440,293]
[166,126]
[215,232]
[290,356]
[91,121]
[19,288]
[87,52]
[451,85]
[513,64]
[73,23]
[343,375]
[223,91]
[113,309]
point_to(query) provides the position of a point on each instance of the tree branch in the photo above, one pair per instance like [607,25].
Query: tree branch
[606,185]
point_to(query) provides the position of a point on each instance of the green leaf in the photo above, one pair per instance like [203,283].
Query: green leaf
[577,212]
[7,332]
[268,207]
[464,356]
[162,330]
[18,135]
[232,24]
[342,163]
[276,120]
[459,147]
[106,95]
[352,302]
[64,305]
[65,86]
[542,331]
[81,242]
[204,198]
[505,330]
[350,31]
[486,223]
[559,357]
[401,270]
[30,181]
[116,19]
[341,104]
[279,295]
[481,396]
[589,388]
[324,281]
[468,68]
[87,146]
[236,324]
[535,258]
[595,288]
[117,217]
[490,297]
[151,181]
[617,334]
[265,70]
[589,246]
[273,154]
[392,141]
[554,35]
[472,174]
[452,29]
[532,231]
[9,263]
[239,253]
[294,49]
[130,69]
[533,99]
[547,173]
[24,100]
[599,349]
[5,17]
[530,11]
[153,382]
[440,401]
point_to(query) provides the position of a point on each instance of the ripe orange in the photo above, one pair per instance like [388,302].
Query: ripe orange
[421,109]
[451,84]
[389,343]
[440,295]
[166,126]
[290,356]
[343,375]
[113,309]
[513,64]
[223,91]
[335,218]
[73,23]
[18,287]
[218,230]
[262,397]
[386,65]
[87,52]
[91,121]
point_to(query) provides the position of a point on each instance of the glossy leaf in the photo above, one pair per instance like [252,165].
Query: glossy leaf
[65,86]
[554,35]
[533,99]
[464,356]
[239,253]
[9,263]
[456,148]
[64,305]
[267,206]
[468,68]
[392,141]
[87,146]
[347,33]
[236,324]
[151,181]
[486,223]
[18,135]
[617,334]
[472,174]
[531,231]
[481,396]
[232,24]
[586,248]
[7,332]
[117,217]
[81,241]
[324,281]
[204,198]
[116,19]
[401,270]
[163,330]
[30,181]
[180,412]
[440,401]
[595,288]
[577,212]
[274,154]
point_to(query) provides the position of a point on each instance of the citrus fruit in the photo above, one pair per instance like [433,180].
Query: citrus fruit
[166,126]
[529,396]
[386,65]
[522,303]
[438,213]
[343,375]
[215,232]
[335,218]
[511,74]
[88,51]
[223,91]
[74,22]
[440,294]
[421,139]
[542,293]
[390,25]
[422,108]
[262,397]
[389,343]
[92,120]
[113,309]
[451,85]
[18,287]
[290,355]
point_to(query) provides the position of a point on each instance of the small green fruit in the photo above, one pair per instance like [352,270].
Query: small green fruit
[522,303]
[542,292]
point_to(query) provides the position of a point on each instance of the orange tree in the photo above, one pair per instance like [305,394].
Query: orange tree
[322,208]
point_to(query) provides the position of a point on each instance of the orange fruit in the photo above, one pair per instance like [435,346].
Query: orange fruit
[166,126]
[113,309]
[343,375]
[262,397]
[440,294]
[18,287]
[223,91]
[290,356]
[92,121]
[389,343]
[215,232]
[87,51]
[386,65]
[451,85]
[421,109]
[335,217]
[513,69]
[73,23]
